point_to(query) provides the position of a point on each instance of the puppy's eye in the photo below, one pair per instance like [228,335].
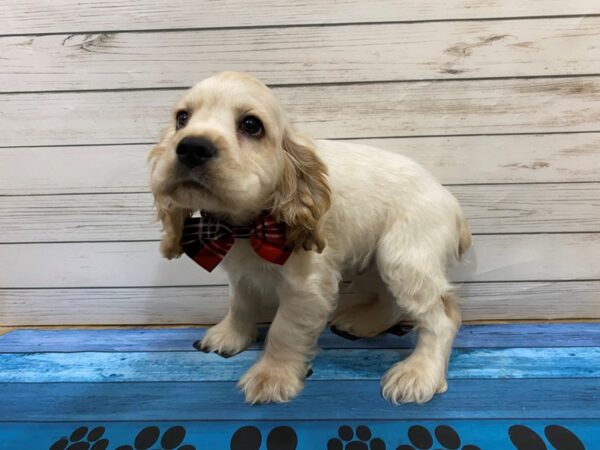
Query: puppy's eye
[181,119]
[252,126]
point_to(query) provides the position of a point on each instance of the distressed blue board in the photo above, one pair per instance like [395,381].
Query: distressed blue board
[358,364]
[577,398]
[524,387]
[178,339]
[308,435]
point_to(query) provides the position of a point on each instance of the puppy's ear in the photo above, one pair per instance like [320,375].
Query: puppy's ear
[171,216]
[159,149]
[303,195]
[172,221]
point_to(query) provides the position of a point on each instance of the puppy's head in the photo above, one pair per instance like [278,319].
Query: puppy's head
[230,151]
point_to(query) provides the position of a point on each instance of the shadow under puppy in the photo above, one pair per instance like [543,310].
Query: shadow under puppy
[319,212]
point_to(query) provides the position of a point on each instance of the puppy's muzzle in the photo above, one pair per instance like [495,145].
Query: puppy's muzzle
[194,151]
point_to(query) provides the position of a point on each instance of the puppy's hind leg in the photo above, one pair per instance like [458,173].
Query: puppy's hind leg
[422,291]
[366,319]
[368,310]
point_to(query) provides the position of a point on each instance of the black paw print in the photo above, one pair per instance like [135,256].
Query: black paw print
[524,438]
[148,438]
[76,441]
[346,442]
[446,436]
[250,438]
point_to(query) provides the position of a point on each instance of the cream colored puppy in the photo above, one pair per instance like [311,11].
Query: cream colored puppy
[348,209]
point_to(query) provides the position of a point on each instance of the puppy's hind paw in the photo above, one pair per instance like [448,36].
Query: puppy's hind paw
[344,334]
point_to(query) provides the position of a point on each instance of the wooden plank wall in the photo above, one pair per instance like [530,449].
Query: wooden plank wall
[499,99]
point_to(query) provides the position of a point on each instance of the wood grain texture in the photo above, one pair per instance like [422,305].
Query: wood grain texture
[57,170]
[531,208]
[30,16]
[333,111]
[91,141]
[352,53]
[55,218]
[117,217]
[208,304]
[497,399]
[557,335]
[490,390]
[119,264]
[457,159]
[338,365]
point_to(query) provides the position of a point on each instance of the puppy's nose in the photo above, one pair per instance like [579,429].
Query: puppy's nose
[195,151]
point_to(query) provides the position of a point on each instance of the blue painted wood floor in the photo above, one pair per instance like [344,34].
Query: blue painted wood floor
[524,387]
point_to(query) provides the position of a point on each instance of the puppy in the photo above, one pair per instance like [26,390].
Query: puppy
[346,209]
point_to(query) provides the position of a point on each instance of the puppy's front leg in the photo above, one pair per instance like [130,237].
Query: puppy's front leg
[279,374]
[238,329]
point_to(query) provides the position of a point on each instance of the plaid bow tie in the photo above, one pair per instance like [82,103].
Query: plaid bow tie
[207,240]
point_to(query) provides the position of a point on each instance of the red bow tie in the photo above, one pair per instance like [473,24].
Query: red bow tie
[207,240]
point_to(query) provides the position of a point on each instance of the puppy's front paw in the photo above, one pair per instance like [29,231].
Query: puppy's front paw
[226,339]
[413,380]
[267,382]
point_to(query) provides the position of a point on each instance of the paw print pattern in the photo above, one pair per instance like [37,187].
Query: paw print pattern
[80,439]
[446,436]
[149,438]
[524,438]
[250,438]
[347,441]
[246,438]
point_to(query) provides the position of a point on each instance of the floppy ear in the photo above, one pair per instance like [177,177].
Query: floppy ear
[172,221]
[157,151]
[171,216]
[303,195]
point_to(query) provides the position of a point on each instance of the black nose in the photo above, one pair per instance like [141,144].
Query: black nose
[194,151]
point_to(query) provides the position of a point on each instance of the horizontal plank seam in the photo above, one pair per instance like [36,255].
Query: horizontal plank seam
[125,192]
[177,325]
[315,84]
[309,381]
[428,136]
[369,420]
[523,183]
[171,286]
[516,233]
[564,280]
[110,144]
[189,286]
[182,326]
[404,136]
[76,326]
[369,380]
[304,25]
[565,420]
[525,233]
[321,350]
[83,193]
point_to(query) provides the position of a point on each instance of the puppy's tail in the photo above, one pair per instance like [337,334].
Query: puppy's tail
[464,236]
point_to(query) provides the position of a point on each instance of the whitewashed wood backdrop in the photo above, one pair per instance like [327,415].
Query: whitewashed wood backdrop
[499,98]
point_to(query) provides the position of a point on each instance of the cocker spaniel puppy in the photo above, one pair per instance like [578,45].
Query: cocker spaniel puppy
[346,211]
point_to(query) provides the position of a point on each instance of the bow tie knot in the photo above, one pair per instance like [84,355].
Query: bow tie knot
[207,240]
